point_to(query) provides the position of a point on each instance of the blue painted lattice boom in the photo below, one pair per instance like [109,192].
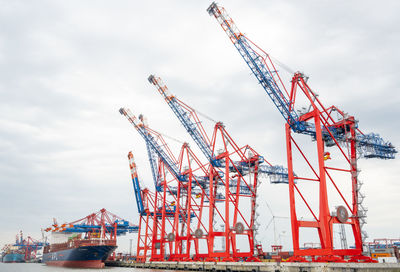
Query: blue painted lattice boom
[123,227]
[149,139]
[369,145]
[185,114]
[98,222]
[154,151]
[136,184]
[153,165]
[373,146]
[256,65]
[184,117]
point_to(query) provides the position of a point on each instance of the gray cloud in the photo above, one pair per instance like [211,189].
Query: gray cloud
[67,66]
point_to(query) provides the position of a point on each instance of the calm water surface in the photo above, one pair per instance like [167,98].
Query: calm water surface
[37,267]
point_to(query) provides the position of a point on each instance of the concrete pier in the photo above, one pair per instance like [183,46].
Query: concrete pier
[261,267]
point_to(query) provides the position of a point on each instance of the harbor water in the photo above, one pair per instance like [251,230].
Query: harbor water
[38,267]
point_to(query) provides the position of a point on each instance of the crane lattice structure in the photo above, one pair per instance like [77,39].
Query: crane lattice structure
[26,246]
[241,168]
[339,133]
[186,190]
[223,190]
[191,122]
[101,224]
[168,222]
[153,210]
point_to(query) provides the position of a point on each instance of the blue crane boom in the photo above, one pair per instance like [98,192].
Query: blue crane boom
[149,139]
[256,61]
[96,222]
[154,150]
[122,228]
[190,121]
[136,185]
[192,127]
[153,165]
[369,145]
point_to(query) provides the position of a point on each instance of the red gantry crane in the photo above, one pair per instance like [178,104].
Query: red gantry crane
[151,211]
[183,197]
[337,143]
[101,224]
[26,246]
[228,183]
[240,168]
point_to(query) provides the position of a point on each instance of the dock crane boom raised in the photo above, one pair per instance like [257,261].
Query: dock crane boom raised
[181,198]
[160,150]
[369,145]
[185,114]
[238,165]
[169,162]
[136,185]
[191,122]
[340,133]
[152,156]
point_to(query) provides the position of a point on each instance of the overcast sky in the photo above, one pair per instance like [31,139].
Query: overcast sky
[66,67]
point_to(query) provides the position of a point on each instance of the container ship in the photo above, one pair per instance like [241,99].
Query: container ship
[87,242]
[74,251]
[23,250]
[13,255]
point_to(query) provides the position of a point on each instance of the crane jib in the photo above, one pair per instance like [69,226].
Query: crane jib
[153,166]
[164,157]
[185,113]
[265,78]
[371,146]
[191,128]
[154,145]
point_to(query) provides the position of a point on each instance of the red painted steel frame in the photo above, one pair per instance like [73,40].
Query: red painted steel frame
[323,221]
[173,231]
[219,177]
[231,213]
[162,218]
[144,241]
[100,218]
[30,248]
[323,120]
[168,224]
[189,208]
